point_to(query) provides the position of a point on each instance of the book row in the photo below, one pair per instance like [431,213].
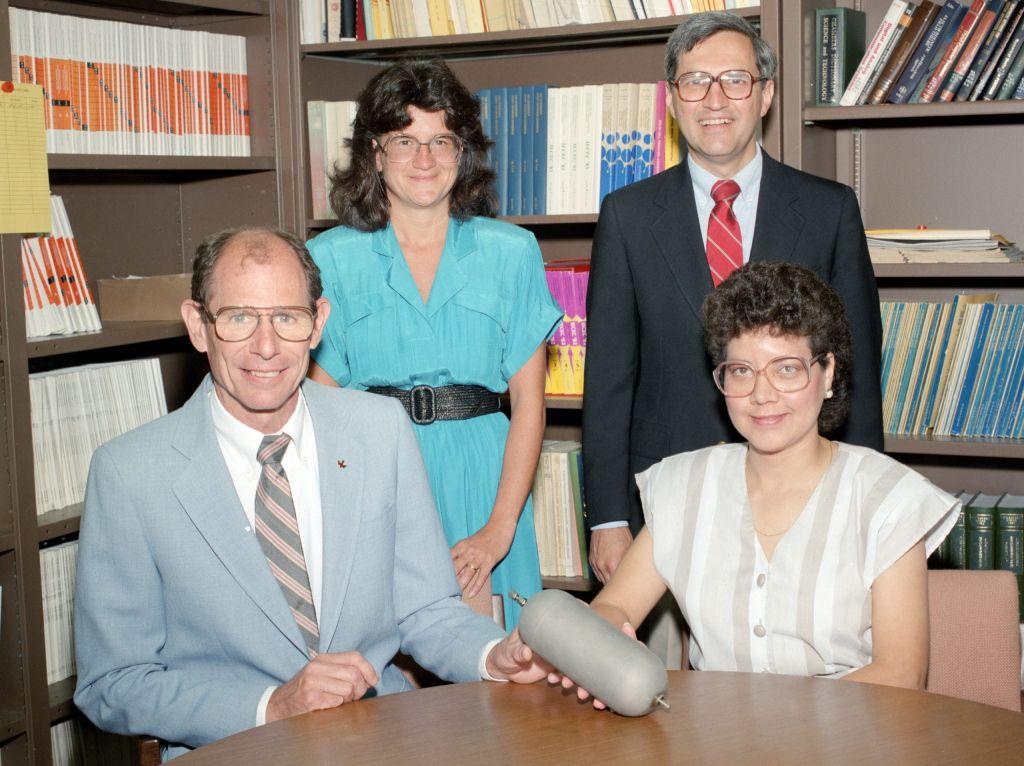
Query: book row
[558,510]
[116,88]
[328,21]
[57,567]
[953,369]
[988,534]
[941,50]
[75,410]
[57,296]
[556,150]
[567,347]
[67,745]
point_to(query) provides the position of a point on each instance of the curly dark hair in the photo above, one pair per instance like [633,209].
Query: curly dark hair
[788,300]
[357,193]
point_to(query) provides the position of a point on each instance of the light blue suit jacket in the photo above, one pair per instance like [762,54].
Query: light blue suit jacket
[180,626]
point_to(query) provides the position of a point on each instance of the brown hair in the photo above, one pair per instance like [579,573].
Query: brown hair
[357,193]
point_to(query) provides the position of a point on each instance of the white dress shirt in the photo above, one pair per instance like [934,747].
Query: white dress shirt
[744,207]
[239,445]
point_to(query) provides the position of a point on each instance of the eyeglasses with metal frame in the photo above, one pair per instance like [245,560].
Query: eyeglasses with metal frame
[786,374]
[736,84]
[237,323]
[445,148]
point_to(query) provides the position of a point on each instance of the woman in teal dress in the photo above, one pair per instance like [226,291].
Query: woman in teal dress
[438,304]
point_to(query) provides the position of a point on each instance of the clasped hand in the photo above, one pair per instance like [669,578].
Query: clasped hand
[327,681]
[475,556]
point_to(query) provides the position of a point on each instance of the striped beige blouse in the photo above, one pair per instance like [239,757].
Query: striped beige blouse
[808,611]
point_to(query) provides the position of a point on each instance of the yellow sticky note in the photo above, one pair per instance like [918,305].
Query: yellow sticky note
[24,180]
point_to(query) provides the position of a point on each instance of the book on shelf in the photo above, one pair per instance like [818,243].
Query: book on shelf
[57,566]
[999,65]
[899,28]
[324,21]
[873,53]
[558,510]
[953,369]
[67,743]
[939,246]
[951,54]
[1014,79]
[921,20]
[988,534]
[1009,542]
[567,347]
[76,409]
[998,34]
[839,46]
[117,88]
[329,128]
[971,50]
[57,297]
[939,32]
[559,151]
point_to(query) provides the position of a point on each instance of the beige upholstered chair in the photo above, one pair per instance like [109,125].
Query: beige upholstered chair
[975,651]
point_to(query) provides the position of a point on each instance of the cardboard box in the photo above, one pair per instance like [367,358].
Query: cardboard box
[143,298]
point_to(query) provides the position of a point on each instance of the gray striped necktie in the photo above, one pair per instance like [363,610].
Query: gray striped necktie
[278,533]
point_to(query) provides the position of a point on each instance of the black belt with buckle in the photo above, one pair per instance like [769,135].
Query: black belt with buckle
[425,404]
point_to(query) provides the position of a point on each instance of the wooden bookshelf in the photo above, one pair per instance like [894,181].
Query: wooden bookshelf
[131,214]
[572,584]
[113,334]
[158,164]
[971,111]
[60,696]
[61,522]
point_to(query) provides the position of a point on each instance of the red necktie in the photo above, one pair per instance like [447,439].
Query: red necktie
[725,243]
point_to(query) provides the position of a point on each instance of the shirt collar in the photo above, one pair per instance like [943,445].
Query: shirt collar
[245,441]
[748,177]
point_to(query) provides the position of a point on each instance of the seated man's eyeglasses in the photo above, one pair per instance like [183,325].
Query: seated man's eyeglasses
[235,323]
[786,374]
[736,84]
[445,148]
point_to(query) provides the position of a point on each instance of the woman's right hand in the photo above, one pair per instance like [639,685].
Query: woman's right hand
[555,677]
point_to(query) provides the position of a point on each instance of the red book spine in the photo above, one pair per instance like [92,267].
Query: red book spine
[960,38]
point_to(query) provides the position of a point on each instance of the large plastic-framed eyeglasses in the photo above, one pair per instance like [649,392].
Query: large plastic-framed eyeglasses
[445,148]
[736,84]
[786,374]
[235,323]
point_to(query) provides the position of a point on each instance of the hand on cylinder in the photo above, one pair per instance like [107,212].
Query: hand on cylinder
[555,677]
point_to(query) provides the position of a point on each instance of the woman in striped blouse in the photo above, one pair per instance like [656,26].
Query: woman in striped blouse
[788,553]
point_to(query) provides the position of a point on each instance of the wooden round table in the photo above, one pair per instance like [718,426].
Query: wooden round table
[716,718]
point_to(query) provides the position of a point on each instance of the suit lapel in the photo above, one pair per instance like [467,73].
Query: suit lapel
[208,496]
[341,497]
[778,224]
[677,232]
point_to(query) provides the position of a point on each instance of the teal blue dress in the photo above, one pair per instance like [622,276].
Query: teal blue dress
[488,311]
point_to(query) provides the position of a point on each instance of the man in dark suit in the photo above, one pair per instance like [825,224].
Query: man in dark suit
[664,243]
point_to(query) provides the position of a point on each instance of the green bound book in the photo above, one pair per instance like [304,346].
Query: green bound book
[980,516]
[955,556]
[839,47]
[1010,541]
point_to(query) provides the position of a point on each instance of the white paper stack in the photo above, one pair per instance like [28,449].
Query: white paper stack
[57,567]
[936,246]
[75,410]
[329,125]
[57,296]
[66,743]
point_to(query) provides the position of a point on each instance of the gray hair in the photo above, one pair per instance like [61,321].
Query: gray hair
[211,249]
[700,26]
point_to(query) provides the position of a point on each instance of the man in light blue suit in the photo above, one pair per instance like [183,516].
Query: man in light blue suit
[268,548]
